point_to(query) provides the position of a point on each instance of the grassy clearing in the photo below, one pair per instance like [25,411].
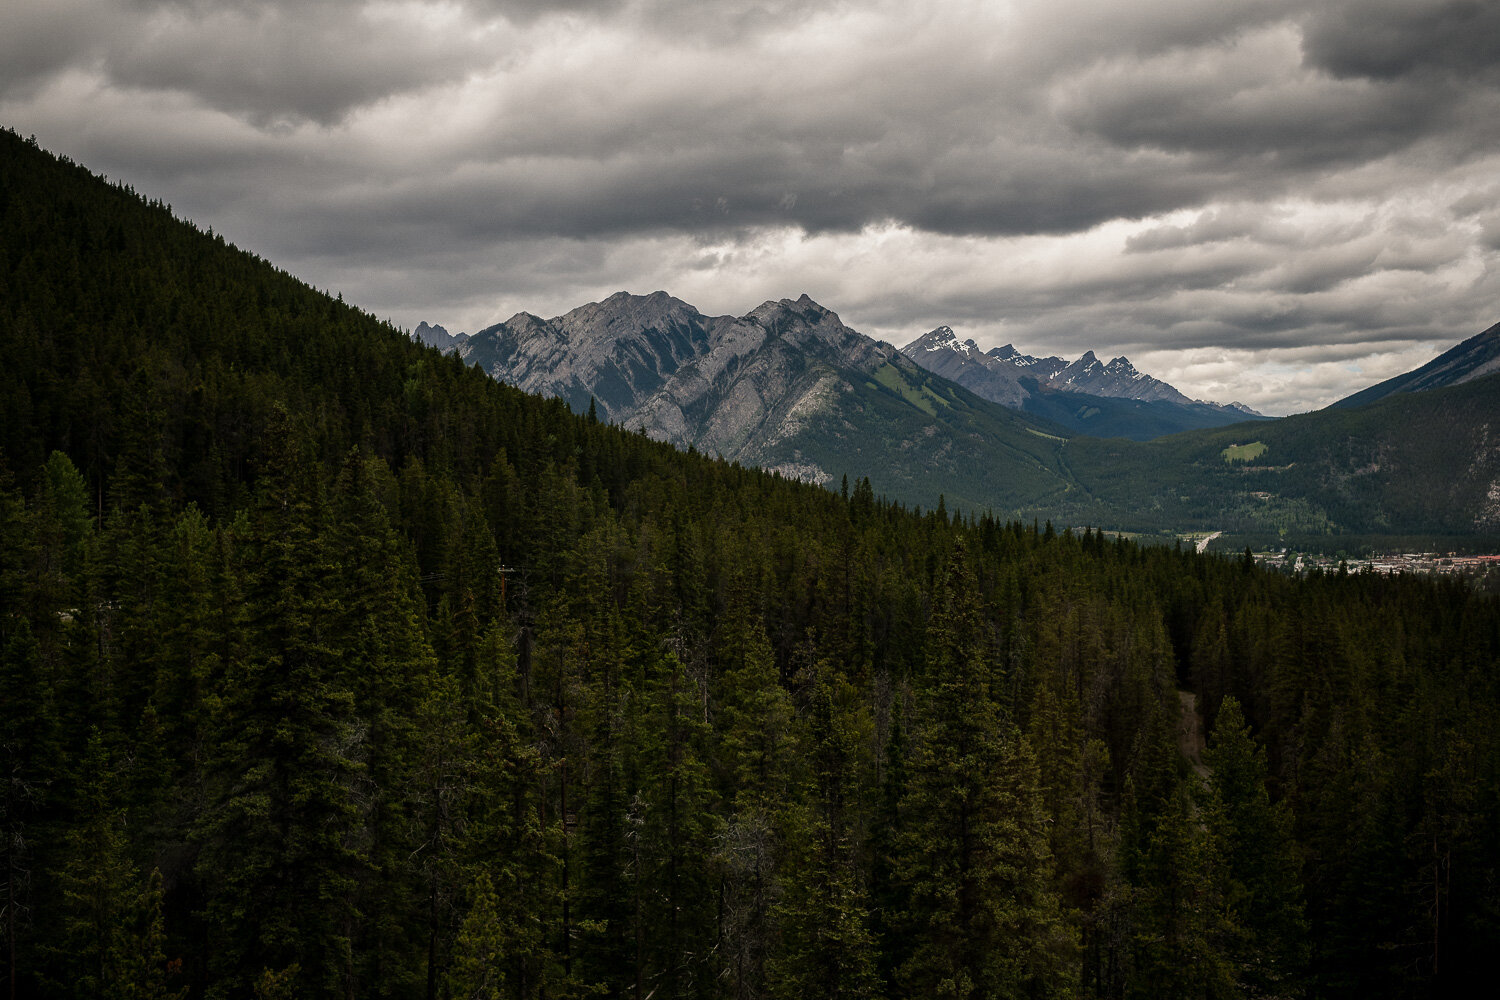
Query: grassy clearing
[1244,452]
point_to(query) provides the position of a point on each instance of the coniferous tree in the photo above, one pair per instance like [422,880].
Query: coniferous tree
[827,947]
[983,908]
[1260,888]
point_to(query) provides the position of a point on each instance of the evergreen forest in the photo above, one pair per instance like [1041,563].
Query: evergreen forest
[330,667]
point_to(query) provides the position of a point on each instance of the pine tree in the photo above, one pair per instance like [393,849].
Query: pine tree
[679,829]
[1177,931]
[479,954]
[1261,883]
[114,938]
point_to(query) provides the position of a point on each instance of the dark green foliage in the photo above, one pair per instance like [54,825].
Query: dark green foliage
[332,668]
[1368,471]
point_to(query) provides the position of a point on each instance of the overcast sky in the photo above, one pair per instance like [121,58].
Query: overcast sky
[1274,201]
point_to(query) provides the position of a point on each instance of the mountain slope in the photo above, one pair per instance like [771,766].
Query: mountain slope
[1475,358]
[789,387]
[1112,416]
[986,375]
[1087,395]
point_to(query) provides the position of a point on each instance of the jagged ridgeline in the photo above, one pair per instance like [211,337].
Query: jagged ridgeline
[333,668]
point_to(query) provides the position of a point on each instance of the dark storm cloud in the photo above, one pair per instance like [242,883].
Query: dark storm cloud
[1391,39]
[277,69]
[1136,110]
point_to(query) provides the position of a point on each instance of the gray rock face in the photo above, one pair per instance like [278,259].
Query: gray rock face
[618,351]
[1118,380]
[996,376]
[734,386]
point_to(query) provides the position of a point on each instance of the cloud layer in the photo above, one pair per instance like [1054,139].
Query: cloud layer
[1278,201]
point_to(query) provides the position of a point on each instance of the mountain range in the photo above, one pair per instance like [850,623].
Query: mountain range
[786,387]
[789,387]
[643,358]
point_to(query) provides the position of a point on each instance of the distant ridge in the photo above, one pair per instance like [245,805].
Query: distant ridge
[1090,396]
[1474,358]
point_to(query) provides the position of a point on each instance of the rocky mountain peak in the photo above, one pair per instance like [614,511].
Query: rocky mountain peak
[773,312]
[524,324]
[941,339]
[624,314]
[804,323]
[437,336]
[944,339]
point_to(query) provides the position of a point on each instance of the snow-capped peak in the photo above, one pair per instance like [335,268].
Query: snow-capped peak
[944,339]
[941,339]
[1122,367]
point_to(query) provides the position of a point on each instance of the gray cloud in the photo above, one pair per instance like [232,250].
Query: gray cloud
[40,39]
[1263,175]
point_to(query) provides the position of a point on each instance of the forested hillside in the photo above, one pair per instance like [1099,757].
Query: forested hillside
[332,668]
[1413,463]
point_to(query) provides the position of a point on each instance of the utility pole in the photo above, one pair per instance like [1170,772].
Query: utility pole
[504,571]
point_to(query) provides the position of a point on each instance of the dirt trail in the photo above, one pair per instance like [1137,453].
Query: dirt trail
[1190,733]
[1203,542]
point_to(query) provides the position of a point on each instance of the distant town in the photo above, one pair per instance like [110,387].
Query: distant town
[1483,570]
[1403,562]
